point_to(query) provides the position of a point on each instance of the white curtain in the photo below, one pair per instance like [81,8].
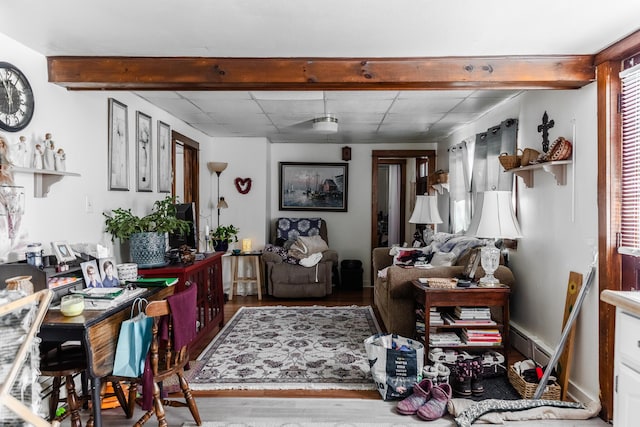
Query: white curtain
[460,164]
[394,206]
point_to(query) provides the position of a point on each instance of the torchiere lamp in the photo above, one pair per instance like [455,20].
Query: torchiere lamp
[218,167]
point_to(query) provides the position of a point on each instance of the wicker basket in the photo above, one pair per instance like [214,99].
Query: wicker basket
[510,161]
[528,390]
[442,282]
[529,155]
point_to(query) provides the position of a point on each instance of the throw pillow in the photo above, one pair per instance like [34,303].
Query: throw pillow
[443,259]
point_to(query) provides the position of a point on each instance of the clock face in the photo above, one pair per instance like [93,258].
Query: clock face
[16,99]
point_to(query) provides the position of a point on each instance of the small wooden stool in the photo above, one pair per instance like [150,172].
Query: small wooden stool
[255,257]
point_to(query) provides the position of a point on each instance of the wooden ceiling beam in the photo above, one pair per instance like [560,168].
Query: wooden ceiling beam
[187,73]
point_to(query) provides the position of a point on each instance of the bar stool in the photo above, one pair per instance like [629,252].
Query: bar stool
[65,361]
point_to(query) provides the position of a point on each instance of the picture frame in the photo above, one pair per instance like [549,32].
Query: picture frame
[118,143]
[91,274]
[63,251]
[108,272]
[165,161]
[313,186]
[144,153]
[469,271]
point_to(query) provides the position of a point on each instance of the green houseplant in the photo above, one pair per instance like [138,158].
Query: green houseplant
[146,234]
[223,235]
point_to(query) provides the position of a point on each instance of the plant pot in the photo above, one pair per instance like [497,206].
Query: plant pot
[148,249]
[220,245]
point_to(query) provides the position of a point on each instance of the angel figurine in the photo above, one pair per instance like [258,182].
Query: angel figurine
[60,160]
[37,160]
[49,150]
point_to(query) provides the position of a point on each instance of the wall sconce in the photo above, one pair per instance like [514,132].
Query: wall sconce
[246,245]
[218,167]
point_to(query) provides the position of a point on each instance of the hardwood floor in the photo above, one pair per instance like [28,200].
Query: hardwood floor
[339,297]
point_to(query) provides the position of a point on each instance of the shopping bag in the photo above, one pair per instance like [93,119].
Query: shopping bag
[396,364]
[134,341]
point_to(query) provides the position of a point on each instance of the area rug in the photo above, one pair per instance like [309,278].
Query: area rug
[285,348]
[307,424]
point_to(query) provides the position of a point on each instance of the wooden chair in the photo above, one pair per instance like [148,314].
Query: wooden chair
[165,361]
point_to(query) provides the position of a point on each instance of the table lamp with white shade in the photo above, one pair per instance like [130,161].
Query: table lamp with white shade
[494,219]
[425,212]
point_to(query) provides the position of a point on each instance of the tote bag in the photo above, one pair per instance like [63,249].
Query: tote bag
[133,343]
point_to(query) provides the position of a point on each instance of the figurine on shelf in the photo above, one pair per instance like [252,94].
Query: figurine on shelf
[60,160]
[37,158]
[49,150]
[21,155]
[6,175]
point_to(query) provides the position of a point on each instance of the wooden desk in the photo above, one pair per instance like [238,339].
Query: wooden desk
[98,332]
[473,296]
[207,275]
[255,258]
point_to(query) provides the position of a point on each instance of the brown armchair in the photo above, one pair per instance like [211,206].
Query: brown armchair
[286,280]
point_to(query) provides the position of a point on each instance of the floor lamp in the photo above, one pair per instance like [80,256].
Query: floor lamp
[218,167]
[494,219]
[425,212]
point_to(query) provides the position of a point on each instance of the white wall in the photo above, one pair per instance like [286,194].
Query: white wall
[78,124]
[559,224]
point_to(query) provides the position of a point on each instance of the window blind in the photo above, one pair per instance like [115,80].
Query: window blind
[630,119]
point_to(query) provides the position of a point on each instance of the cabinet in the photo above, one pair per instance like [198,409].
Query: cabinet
[44,179]
[207,276]
[473,296]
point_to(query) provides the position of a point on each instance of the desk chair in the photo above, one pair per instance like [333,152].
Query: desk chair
[168,356]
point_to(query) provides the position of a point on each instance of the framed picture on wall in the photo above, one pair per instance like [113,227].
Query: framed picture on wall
[144,152]
[164,158]
[118,146]
[313,186]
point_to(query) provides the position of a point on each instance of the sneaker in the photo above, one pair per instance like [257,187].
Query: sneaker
[421,393]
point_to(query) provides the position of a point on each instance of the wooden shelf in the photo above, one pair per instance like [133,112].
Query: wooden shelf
[557,169]
[44,179]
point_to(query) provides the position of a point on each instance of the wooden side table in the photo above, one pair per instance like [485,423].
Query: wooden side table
[254,258]
[473,296]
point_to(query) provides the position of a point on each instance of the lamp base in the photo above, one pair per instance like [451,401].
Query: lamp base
[489,281]
[489,258]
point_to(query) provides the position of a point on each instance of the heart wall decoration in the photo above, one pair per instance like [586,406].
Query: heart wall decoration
[243,185]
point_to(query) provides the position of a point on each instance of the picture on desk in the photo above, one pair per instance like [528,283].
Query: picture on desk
[91,274]
[108,272]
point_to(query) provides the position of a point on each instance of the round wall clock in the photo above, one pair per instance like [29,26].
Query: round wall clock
[16,99]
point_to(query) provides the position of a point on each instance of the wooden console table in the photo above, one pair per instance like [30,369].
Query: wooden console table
[207,275]
[473,296]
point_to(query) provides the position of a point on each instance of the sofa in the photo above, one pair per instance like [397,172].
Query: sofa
[394,295]
[284,276]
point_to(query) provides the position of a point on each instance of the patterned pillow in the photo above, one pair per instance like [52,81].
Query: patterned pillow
[284,254]
[292,228]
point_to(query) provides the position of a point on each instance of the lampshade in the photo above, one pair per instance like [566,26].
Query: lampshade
[426,211]
[216,167]
[494,218]
[222,204]
[325,124]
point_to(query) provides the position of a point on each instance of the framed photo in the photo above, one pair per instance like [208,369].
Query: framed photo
[471,267]
[144,145]
[313,186]
[118,146]
[108,272]
[63,252]
[165,166]
[91,274]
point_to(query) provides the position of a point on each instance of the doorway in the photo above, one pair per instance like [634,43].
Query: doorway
[389,190]
[185,156]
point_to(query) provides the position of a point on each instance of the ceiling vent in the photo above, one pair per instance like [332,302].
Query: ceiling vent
[325,124]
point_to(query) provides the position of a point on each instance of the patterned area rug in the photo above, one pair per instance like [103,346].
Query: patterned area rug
[279,348]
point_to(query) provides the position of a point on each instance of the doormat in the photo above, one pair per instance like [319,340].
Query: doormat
[290,348]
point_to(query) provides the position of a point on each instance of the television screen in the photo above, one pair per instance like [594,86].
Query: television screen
[187,212]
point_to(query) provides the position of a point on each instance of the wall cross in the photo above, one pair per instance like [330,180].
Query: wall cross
[544,128]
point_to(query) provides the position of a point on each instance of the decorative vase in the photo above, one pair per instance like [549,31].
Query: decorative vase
[148,249]
[20,283]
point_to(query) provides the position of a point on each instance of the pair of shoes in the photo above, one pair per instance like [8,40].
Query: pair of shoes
[436,407]
[438,355]
[421,393]
[438,373]
[466,377]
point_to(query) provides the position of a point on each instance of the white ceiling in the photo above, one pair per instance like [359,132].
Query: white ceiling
[331,28]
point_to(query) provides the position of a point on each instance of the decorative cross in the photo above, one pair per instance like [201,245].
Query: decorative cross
[544,128]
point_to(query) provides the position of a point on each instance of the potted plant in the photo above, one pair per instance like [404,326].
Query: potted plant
[146,234]
[223,235]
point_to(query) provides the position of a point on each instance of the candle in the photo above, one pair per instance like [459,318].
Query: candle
[246,245]
[206,230]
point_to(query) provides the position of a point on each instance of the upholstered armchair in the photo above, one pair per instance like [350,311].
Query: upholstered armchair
[285,277]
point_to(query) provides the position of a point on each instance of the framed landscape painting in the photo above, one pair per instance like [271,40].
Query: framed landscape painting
[313,186]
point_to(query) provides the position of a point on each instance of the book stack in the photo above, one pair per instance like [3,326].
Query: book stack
[472,313]
[482,337]
[444,339]
[435,317]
